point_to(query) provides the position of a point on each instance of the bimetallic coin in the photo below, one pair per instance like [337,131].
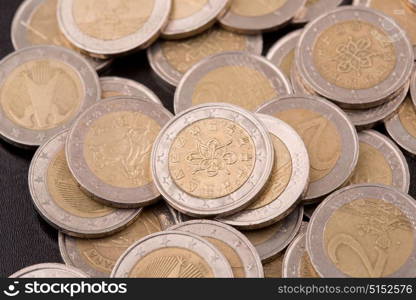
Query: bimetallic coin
[359,68]
[97,257]
[212,160]
[298,84]
[113,27]
[172,254]
[287,184]
[240,253]
[237,78]
[247,16]
[413,87]
[380,162]
[170,60]
[59,200]
[314,9]
[364,231]
[329,136]
[272,240]
[411,4]
[117,86]
[273,269]
[43,89]
[189,18]
[109,148]
[49,270]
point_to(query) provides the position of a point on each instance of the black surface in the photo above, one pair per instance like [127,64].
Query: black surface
[25,239]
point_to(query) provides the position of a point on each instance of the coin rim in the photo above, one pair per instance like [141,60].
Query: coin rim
[45,266]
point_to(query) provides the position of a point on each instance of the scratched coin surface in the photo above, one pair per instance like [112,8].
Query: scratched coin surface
[287,184]
[43,89]
[272,240]
[49,270]
[240,253]
[364,231]
[109,148]
[191,17]
[60,201]
[172,254]
[118,86]
[97,257]
[238,78]
[314,9]
[249,16]
[172,59]
[212,160]
[111,27]
[359,68]
[329,136]
[380,162]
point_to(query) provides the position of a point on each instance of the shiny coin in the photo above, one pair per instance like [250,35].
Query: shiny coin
[238,78]
[314,9]
[287,184]
[42,91]
[117,86]
[189,18]
[241,254]
[109,148]
[249,16]
[172,254]
[272,240]
[329,136]
[298,84]
[97,257]
[49,271]
[212,160]
[107,27]
[60,201]
[364,231]
[172,59]
[359,68]
[380,161]
[35,23]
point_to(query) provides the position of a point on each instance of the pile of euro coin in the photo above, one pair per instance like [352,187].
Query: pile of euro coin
[269,166]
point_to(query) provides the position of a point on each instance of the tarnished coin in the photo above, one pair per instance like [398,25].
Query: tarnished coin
[170,60]
[35,23]
[104,28]
[296,262]
[109,148]
[59,200]
[329,136]
[240,253]
[359,68]
[364,231]
[380,162]
[272,240]
[188,18]
[49,270]
[97,257]
[118,86]
[212,160]
[237,78]
[314,9]
[172,254]
[42,91]
[287,184]
[247,16]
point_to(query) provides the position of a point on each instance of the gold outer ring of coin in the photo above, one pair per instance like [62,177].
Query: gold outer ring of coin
[49,270]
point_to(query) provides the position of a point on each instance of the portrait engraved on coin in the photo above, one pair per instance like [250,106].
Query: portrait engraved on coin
[249,8]
[212,158]
[185,8]
[407,116]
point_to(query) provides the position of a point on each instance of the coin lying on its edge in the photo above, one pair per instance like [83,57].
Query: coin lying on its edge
[109,148]
[49,270]
[212,160]
[172,254]
[43,89]
[364,231]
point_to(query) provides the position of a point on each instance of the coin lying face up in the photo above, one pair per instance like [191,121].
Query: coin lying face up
[237,78]
[42,91]
[172,59]
[315,8]
[364,231]
[49,271]
[111,27]
[212,160]
[109,147]
[172,254]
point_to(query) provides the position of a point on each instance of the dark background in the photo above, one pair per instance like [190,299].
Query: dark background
[25,239]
